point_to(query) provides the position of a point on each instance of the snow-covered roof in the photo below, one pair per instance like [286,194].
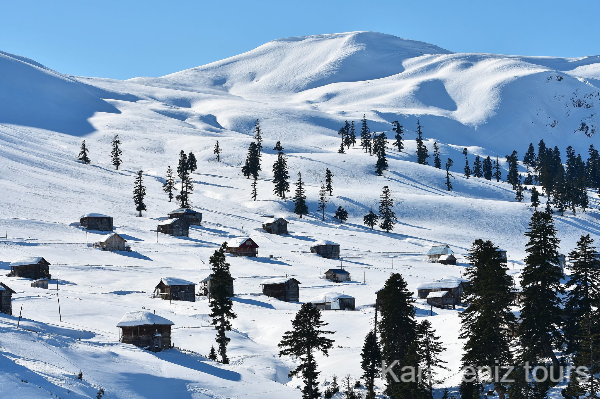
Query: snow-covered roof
[273,220]
[278,280]
[4,287]
[437,294]
[324,242]
[94,215]
[446,282]
[446,257]
[108,236]
[440,250]
[236,242]
[206,279]
[27,261]
[142,318]
[175,281]
[338,271]
[184,210]
[168,221]
[329,297]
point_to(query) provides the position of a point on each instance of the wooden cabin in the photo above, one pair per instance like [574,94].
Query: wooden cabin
[174,227]
[326,249]
[206,287]
[502,253]
[334,301]
[242,247]
[33,268]
[97,221]
[193,217]
[41,283]
[283,288]
[337,275]
[6,299]
[453,285]
[449,259]
[441,299]
[175,289]
[276,226]
[437,251]
[113,242]
[146,330]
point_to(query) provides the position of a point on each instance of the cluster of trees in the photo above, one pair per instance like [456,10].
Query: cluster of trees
[115,153]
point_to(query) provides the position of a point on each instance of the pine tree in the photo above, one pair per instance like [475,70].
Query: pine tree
[422,153]
[83,154]
[437,162]
[169,184]
[513,171]
[399,136]
[322,201]
[349,392]
[213,354]
[467,168]
[217,151]
[252,165]
[487,168]
[497,172]
[371,219]
[329,181]
[528,179]
[258,138]
[280,173]
[519,190]
[139,192]
[300,207]
[370,363]
[116,152]
[254,192]
[343,132]
[587,359]
[488,294]
[341,150]
[535,198]
[187,186]
[365,136]
[192,163]
[449,175]
[379,144]
[341,214]
[477,167]
[386,211]
[592,168]
[429,351]
[278,147]
[446,394]
[352,134]
[304,339]
[221,305]
[530,157]
[348,130]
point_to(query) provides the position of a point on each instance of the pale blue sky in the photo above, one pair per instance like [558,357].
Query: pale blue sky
[124,39]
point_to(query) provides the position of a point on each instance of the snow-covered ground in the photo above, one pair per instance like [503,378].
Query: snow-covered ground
[301,90]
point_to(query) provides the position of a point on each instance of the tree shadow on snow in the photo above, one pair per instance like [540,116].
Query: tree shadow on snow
[197,363]
[253,302]
[132,254]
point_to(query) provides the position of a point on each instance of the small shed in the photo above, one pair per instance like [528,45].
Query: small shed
[175,289]
[447,259]
[441,299]
[206,287]
[96,221]
[242,247]
[6,299]
[276,226]
[326,249]
[41,283]
[193,217]
[502,253]
[334,301]
[284,288]
[174,227]
[113,242]
[453,285]
[146,330]
[436,252]
[33,268]
[337,275]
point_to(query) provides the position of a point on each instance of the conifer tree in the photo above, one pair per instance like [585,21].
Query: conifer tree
[252,165]
[430,349]
[365,136]
[343,132]
[528,179]
[530,157]
[519,190]
[535,198]
[513,171]
[258,138]
[352,135]
[217,151]
[280,173]
[370,219]
[449,175]
[437,162]
[278,147]
[169,184]
[221,305]
[341,150]
[398,136]
[592,168]
[116,152]
[187,186]
[467,169]
[300,207]
[477,167]
[422,153]
[497,172]
[341,214]
[349,130]
[322,201]
[304,339]
[487,168]
[349,392]
[139,192]
[213,354]
[254,192]
[379,144]
[370,363]
[386,211]
[192,163]
[586,360]
[329,181]
[83,154]
[488,294]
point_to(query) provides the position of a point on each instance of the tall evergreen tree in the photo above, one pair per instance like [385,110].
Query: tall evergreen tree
[365,136]
[530,157]
[221,305]
[449,175]
[467,169]
[341,214]
[422,154]
[217,151]
[519,190]
[329,181]
[513,171]
[497,172]
[437,162]
[139,192]
[430,349]
[352,134]
[592,167]
[192,163]
[116,152]
[280,173]
[252,165]
[370,219]
[386,211]
[169,184]
[258,137]
[343,132]
[399,135]
[254,192]
[379,144]
[535,198]
[322,201]
[300,207]
[371,362]
[349,130]
[187,186]
[83,154]
[586,360]
[487,168]
[278,147]
[477,167]
[304,339]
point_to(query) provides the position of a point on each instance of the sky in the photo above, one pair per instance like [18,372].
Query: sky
[128,38]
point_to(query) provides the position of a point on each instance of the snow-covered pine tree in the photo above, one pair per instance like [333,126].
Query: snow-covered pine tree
[519,190]
[352,134]
[83,154]
[379,144]
[592,168]
[530,157]
[300,207]
[513,172]
[252,165]
[116,152]
[139,192]
[341,214]
[278,147]
[329,181]
[221,305]
[422,154]
[497,172]
[343,132]
[487,168]
[449,175]
[398,136]
[386,211]
[365,136]
[192,163]
[370,219]
[254,185]
[302,342]
[169,184]
[322,201]
[217,151]
[437,162]
[187,186]
[258,137]
[213,354]
[430,349]
[477,167]
[535,198]
[349,131]
[467,168]
[370,362]
[280,173]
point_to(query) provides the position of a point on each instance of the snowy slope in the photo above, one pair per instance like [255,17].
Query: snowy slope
[302,90]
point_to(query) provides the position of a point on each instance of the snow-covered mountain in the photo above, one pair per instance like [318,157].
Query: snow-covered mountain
[302,90]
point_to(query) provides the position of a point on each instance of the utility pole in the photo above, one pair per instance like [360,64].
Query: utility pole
[58,299]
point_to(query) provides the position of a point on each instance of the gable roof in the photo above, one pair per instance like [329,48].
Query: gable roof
[279,280]
[338,271]
[329,297]
[169,221]
[239,241]
[175,281]
[184,210]
[108,236]
[95,215]
[438,294]
[440,250]
[273,220]
[27,261]
[4,287]
[446,282]
[142,318]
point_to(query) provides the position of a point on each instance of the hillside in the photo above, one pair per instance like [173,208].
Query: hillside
[301,90]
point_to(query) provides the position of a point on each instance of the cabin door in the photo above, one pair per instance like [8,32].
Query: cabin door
[157,343]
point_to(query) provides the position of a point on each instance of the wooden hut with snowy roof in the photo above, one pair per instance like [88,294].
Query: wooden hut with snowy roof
[175,289]
[193,217]
[439,252]
[33,268]
[243,246]
[206,287]
[6,299]
[502,253]
[275,226]
[174,227]
[441,299]
[112,242]
[337,275]
[327,249]
[454,285]
[334,301]
[283,288]
[96,221]
[146,330]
